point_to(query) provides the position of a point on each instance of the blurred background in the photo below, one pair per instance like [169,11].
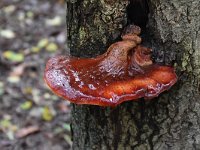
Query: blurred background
[31,116]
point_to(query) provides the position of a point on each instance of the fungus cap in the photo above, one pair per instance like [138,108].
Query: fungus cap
[125,72]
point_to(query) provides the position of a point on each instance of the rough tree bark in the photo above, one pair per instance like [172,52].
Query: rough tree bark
[171,121]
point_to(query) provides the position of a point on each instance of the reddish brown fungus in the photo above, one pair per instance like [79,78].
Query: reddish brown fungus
[125,72]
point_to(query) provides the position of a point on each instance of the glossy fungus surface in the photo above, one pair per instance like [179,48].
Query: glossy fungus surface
[125,72]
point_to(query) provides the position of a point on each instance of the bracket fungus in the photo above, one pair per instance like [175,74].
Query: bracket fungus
[125,72]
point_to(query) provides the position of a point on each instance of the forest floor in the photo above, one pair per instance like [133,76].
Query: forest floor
[31,116]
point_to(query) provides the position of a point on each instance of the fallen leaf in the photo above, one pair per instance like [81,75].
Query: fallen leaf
[7,33]
[10,135]
[47,96]
[51,47]
[9,9]
[56,21]
[42,43]
[68,139]
[26,105]
[13,56]
[27,90]
[1,88]
[67,126]
[35,49]
[36,112]
[21,16]
[18,70]
[58,130]
[47,114]
[36,95]
[13,79]
[54,97]
[5,123]
[27,131]
[30,14]
[7,127]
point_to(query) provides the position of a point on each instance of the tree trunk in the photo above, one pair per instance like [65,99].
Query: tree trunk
[171,121]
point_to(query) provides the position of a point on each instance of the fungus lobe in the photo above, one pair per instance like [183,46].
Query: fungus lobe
[125,72]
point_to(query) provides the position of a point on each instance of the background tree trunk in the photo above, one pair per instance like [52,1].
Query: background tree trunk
[171,121]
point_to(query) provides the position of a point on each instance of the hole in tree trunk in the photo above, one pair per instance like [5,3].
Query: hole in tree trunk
[137,13]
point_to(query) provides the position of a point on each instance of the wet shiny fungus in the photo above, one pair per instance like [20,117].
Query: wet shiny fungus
[125,72]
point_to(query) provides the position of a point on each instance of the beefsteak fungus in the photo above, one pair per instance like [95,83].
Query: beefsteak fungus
[125,72]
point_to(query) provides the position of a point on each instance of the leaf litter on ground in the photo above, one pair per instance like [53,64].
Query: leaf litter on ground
[27,131]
